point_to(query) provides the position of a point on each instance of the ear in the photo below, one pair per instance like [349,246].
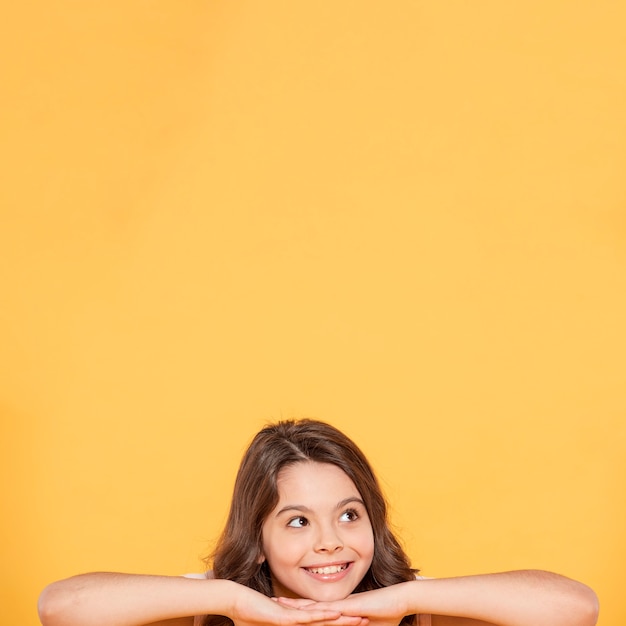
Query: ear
[261,559]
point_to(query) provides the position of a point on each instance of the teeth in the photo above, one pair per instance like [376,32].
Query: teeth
[331,569]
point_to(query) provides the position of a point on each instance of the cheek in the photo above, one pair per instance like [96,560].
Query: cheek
[367,545]
[281,550]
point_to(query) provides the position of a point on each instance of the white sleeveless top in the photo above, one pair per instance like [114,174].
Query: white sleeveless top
[422,620]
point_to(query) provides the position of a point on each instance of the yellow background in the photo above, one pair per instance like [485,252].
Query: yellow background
[405,218]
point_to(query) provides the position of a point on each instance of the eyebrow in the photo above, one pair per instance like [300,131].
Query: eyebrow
[305,509]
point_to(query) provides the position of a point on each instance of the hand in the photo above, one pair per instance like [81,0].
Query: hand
[251,608]
[381,607]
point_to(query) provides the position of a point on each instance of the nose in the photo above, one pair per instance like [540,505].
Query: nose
[328,540]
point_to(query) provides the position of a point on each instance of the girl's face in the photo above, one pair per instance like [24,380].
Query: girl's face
[318,541]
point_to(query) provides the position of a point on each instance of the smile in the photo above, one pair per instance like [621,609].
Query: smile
[329,569]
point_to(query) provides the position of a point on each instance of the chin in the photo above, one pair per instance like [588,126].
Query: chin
[329,594]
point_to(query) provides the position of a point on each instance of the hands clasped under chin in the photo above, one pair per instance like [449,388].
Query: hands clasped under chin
[255,609]
[381,607]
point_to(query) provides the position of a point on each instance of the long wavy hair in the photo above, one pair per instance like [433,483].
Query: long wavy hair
[237,555]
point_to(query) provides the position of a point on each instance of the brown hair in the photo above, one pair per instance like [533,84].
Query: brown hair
[238,551]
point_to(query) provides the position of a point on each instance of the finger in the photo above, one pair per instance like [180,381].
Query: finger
[312,605]
[350,620]
[318,615]
[295,603]
[345,607]
[332,618]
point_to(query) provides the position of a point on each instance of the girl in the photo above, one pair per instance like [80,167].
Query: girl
[307,541]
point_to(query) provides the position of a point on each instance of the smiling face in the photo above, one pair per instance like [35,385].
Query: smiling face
[318,540]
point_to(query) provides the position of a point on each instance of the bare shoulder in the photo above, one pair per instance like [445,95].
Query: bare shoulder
[448,620]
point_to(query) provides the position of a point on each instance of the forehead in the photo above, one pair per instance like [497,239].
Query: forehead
[314,481]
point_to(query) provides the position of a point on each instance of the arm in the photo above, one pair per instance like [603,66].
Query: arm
[107,599]
[525,598]
[104,598]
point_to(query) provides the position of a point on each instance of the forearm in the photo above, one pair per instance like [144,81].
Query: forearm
[103,599]
[523,598]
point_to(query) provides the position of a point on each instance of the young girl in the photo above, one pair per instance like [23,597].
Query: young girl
[307,541]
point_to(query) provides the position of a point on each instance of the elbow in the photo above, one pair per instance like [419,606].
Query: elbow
[53,605]
[574,603]
[588,606]
[579,606]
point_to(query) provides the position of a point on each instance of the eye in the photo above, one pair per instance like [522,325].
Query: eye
[298,522]
[349,516]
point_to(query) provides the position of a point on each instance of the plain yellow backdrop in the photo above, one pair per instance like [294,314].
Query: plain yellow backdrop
[405,218]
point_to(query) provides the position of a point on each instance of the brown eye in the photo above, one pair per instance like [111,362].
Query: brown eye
[298,522]
[349,516]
